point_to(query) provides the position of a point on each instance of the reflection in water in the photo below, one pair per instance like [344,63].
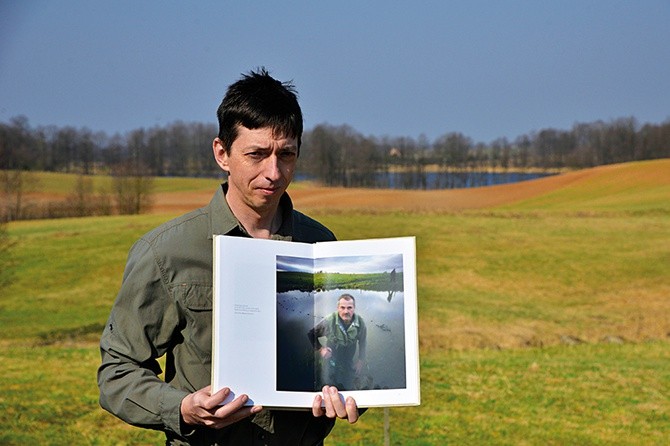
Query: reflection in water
[383,313]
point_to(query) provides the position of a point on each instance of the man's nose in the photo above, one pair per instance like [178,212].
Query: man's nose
[271,169]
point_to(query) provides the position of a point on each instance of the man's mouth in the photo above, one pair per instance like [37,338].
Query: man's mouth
[269,190]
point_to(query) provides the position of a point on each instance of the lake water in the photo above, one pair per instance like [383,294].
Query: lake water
[436,180]
[383,313]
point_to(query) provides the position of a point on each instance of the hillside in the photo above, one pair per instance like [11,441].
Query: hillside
[537,325]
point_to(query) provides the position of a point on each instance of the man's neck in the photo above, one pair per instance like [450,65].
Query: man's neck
[345,324]
[259,224]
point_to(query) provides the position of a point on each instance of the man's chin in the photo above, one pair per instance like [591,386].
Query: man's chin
[264,201]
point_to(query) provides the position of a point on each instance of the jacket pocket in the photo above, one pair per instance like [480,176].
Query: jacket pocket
[196,299]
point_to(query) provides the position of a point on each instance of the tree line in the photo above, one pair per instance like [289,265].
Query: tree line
[332,155]
[341,156]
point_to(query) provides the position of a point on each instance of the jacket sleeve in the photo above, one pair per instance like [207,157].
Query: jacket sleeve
[138,332]
[315,333]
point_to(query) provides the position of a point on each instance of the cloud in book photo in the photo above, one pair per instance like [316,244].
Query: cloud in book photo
[295,264]
[342,265]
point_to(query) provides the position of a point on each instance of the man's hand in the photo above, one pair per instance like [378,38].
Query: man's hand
[326,352]
[203,409]
[334,406]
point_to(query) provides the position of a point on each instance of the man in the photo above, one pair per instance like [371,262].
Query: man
[164,306]
[344,331]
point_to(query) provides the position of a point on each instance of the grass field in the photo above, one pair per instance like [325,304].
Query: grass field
[544,311]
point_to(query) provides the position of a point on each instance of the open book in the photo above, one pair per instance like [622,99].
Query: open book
[291,317]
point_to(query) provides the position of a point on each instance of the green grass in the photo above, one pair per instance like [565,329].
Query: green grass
[48,396]
[64,183]
[291,280]
[499,292]
[67,272]
[585,395]
[511,282]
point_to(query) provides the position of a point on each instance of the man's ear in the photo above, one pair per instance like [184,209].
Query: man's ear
[220,154]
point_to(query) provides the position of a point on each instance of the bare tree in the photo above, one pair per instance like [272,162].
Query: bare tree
[81,199]
[14,184]
[321,155]
[452,151]
[133,187]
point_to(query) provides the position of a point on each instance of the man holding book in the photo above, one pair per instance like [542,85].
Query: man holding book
[164,306]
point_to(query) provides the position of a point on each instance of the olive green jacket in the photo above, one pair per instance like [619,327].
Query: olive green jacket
[164,308]
[341,340]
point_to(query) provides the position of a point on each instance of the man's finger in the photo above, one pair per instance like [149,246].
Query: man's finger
[327,403]
[232,407]
[336,403]
[352,410]
[235,417]
[214,400]
[317,410]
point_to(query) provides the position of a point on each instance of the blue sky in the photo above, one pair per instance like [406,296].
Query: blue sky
[487,69]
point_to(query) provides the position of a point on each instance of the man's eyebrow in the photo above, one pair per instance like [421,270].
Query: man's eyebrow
[263,147]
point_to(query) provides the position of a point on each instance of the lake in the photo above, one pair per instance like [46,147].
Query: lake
[434,180]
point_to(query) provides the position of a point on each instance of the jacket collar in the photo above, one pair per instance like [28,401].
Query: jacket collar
[354,320]
[222,221]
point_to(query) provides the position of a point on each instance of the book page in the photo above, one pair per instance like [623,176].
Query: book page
[244,316]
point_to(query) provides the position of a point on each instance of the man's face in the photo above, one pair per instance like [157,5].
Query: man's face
[346,309]
[260,167]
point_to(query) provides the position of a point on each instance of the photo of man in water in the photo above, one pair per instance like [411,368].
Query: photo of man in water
[340,319]
[337,338]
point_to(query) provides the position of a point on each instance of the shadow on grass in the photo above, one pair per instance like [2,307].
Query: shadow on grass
[63,335]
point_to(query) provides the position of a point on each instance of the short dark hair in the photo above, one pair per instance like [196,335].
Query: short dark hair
[257,101]
[346,296]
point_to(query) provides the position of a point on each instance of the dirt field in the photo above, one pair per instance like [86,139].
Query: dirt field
[372,200]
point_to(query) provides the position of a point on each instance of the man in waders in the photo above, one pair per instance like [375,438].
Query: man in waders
[344,332]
